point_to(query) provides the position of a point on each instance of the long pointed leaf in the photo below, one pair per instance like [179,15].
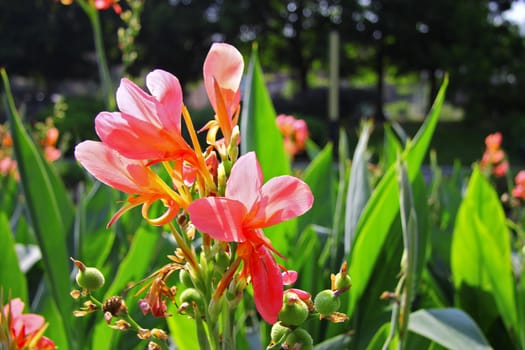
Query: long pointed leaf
[383,206]
[50,209]
[259,130]
[12,281]
[451,328]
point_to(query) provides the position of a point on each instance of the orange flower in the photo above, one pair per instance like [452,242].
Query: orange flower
[295,133]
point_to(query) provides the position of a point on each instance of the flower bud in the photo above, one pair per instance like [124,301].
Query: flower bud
[185,278]
[294,311]
[279,331]
[299,338]
[342,282]
[326,302]
[194,298]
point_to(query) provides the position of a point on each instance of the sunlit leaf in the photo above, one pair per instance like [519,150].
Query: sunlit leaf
[451,328]
[12,281]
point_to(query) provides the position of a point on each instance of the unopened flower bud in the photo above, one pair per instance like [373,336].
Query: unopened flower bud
[185,278]
[89,278]
[294,311]
[326,302]
[299,338]
[193,297]
[279,331]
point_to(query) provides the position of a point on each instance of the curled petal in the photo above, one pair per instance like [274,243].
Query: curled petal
[221,218]
[282,198]
[165,87]
[289,277]
[225,65]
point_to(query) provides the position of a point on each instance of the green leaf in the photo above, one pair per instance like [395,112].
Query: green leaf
[50,208]
[451,328]
[383,206]
[481,255]
[358,187]
[342,341]
[183,330]
[380,338]
[259,130]
[319,175]
[12,281]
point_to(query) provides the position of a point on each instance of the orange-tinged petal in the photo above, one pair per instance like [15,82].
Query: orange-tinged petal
[115,170]
[221,218]
[166,88]
[282,198]
[225,65]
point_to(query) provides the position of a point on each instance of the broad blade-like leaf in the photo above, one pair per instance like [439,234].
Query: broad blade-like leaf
[50,208]
[358,187]
[12,281]
[383,206]
[451,328]
[481,255]
[259,130]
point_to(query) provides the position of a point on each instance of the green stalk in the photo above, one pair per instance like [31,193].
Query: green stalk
[103,68]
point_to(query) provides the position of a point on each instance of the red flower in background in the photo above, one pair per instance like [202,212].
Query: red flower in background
[494,157]
[247,208]
[25,330]
[295,133]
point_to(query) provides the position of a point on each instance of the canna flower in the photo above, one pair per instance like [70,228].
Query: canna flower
[131,176]
[223,69]
[25,331]
[494,156]
[99,4]
[148,127]
[519,189]
[295,133]
[247,208]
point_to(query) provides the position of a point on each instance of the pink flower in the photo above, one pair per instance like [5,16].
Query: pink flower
[247,208]
[25,330]
[130,176]
[494,156]
[223,69]
[295,133]
[147,126]
[519,189]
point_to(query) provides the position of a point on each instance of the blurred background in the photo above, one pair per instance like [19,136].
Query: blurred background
[392,55]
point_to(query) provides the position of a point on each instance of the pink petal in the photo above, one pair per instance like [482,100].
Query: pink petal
[113,169]
[267,284]
[282,198]
[15,308]
[245,180]
[289,277]
[219,217]
[132,100]
[138,139]
[225,64]
[30,322]
[165,87]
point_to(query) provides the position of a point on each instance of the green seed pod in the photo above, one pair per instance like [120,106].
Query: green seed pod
[326,302]
[90,278]
[294,311]
[342,282]
[299,338]
[279,331]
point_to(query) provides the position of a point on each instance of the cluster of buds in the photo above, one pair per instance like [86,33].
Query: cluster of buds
[298,307]
[494,159]
[295,133]
[45,134]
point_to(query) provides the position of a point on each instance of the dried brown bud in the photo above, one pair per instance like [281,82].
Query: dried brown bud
[115,306]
